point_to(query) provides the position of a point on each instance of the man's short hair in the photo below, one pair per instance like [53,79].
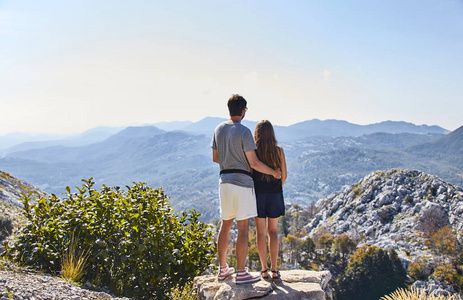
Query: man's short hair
[236,104]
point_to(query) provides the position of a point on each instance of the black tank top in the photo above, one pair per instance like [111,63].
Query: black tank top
[261,185]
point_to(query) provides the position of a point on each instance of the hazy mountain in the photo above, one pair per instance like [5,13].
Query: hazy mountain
[402,127]
[448,148]
[336,128]
[295,132]
[111,145]
[15,138]
[91,136]
[172,126]
[135,132]
[181,162]
[315,127]
[336,163]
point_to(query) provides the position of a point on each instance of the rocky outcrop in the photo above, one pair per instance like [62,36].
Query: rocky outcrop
[389,209]
[12,187]
[294,284]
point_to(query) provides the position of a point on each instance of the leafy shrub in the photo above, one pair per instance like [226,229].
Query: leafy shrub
[136,244]
[444,241]
[418,269]
[449,274]
[408,199]
[6,227]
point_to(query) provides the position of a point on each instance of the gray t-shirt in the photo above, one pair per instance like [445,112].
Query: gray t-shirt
[232,141]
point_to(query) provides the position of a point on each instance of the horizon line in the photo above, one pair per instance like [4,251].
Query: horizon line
[211,117]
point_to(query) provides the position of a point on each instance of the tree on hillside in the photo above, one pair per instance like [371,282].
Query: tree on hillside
[345,246]
[307,253]
[324,243]
[370,274]
[291,246]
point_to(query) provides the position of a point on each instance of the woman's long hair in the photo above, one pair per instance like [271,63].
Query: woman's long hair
[267,146]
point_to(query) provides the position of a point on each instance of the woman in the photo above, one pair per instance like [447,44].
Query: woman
[269,196]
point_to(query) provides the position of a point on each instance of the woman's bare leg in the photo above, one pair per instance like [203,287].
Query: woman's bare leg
[261,236]
[273,243]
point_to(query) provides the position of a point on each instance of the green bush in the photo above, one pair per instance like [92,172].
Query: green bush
[136,244]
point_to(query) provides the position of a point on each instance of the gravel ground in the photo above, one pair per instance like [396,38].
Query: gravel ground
[21,284]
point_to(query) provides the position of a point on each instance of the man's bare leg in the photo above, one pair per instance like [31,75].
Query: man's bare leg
[242,243]
[222,241]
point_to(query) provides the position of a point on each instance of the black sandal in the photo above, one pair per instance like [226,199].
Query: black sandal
[264,271]
[275,278]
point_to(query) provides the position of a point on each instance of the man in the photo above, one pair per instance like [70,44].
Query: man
[233,148]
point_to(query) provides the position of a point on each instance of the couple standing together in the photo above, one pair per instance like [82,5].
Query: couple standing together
[252,174]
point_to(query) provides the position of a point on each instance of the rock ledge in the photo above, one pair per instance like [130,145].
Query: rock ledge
[294,284]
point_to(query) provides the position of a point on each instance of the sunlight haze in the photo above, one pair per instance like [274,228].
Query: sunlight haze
[68,66]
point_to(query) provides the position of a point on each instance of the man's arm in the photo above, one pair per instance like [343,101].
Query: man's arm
[215,156]
[257,165]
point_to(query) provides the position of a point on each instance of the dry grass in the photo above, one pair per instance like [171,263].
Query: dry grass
[186,292]
[73,264]
[415,294]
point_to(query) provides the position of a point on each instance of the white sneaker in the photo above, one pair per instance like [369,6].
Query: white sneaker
[243,277]
[225,271]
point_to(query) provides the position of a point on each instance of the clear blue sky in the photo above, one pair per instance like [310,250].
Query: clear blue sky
[67,66]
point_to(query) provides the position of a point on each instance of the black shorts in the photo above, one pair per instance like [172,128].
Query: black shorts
[270,205]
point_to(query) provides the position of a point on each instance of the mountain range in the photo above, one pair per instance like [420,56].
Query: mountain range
[14,142]
[323,157]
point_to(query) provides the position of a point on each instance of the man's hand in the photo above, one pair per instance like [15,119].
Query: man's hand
[257,165]
[277,174]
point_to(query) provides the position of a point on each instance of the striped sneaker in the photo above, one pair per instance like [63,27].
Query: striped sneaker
[243,276]
[225,271]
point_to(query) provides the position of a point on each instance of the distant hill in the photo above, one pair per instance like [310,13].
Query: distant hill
[342,161]
[448,148]
[180,162]
[91,136]
[327,128]
[337,128]
[171,126]
[16,138]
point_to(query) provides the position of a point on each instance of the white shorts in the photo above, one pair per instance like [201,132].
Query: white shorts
[237,202]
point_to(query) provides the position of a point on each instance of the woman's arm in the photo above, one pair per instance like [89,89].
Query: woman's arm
[284,171]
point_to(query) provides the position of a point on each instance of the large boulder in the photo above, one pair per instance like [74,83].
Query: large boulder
[294,284]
